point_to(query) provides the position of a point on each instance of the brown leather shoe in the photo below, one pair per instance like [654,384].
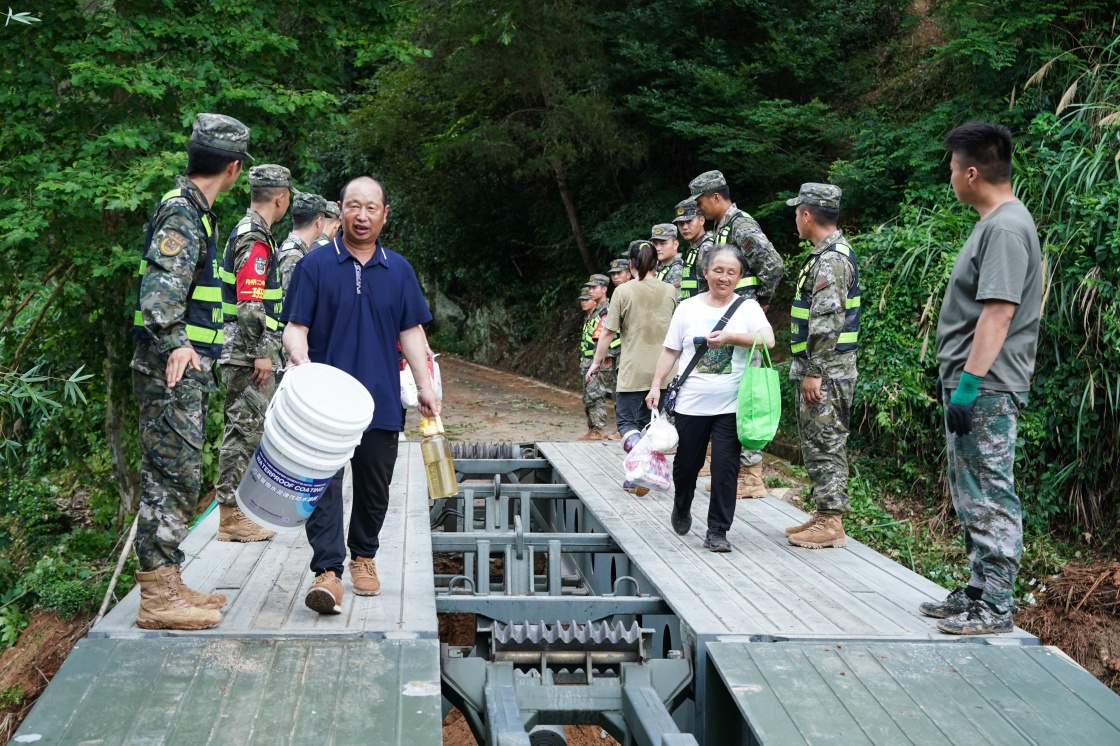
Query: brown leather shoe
[363,574]
[750,483]
[593,433]
[615,436]
[162,606]
[826,530]
[325,594]
[198,598]
[234,525]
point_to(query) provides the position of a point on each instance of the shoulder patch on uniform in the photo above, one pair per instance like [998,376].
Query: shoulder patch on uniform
[172,243]
[821,286]
[260,264]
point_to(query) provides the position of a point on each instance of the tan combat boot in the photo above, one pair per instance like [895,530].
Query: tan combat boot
[593,433]
[801,526]
[825,530]
[162,606]
[751,484]
[234,525]
[363,574]
[198,598]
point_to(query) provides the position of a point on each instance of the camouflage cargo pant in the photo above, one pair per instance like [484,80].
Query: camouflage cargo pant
[609,377]
[594,397]
[982,485]
[246,404]
[172,433]
[823,431]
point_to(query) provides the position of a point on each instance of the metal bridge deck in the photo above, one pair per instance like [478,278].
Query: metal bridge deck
[273,671]
[267,580]
[765,587]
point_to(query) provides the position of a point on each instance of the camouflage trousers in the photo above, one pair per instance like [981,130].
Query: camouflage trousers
[172,433]
[594,397]
[823,431]
[246,404]
[609,377]
[982,485]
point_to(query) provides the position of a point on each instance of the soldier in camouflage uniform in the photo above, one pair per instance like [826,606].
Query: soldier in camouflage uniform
[332,219]
[690,223]
[670,265]
[178,331]
[309,213]
[252,300]
[987,340]
[594,395]
[762,271]
[824,334]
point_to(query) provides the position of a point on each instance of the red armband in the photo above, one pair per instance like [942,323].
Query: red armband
[250,280]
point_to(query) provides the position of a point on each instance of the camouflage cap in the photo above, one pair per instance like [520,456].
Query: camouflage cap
[821,195]
[307,202]
[686,210]
[619,265]
[270,175]
[330,209]
[221,133]
[663,232]
[706,182]
[584,296]
[594,280]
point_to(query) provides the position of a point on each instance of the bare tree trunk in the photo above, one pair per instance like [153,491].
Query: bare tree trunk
[573,218]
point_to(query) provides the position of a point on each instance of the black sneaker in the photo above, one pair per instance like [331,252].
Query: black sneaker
[981,618]
[717,541]
[681,521]
[955,603]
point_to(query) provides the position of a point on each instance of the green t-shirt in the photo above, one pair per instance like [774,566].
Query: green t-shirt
[1001,260]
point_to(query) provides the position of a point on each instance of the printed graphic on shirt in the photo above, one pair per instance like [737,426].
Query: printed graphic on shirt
[250,280]
[717,361]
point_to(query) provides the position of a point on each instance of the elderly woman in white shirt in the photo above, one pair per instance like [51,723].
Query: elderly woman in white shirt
[706,403]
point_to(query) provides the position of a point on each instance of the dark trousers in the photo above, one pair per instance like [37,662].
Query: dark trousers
[630,411]
[695,431]
[372,466]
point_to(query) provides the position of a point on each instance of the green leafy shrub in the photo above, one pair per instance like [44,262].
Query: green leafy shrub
[31,522]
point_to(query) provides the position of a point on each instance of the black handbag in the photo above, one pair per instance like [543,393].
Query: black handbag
[672,391]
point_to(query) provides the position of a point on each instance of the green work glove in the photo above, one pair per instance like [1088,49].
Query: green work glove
[958,415]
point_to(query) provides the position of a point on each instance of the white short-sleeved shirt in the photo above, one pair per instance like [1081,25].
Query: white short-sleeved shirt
[713,386]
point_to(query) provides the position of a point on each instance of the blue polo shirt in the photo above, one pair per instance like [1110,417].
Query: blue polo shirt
[355,315]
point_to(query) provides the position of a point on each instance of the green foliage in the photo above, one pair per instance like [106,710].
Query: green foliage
[11,696]
[31,522]
[12,623]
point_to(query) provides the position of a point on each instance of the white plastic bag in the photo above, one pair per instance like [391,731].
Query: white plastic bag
[660,433]
[645,467]
[409,399]
[433,370]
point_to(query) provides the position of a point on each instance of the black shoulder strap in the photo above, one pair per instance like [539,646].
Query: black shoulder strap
[718,327]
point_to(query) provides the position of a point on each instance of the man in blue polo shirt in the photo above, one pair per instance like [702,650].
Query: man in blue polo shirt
[348,305]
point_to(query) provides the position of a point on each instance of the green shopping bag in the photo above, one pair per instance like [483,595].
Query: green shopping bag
[760,404]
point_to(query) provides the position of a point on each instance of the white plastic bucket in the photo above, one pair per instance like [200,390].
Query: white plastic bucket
[312,425]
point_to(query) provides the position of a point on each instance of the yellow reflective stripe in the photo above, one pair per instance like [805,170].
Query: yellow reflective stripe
[173,193]
[747,282]
[271,323]
[206,225]
[843,250]
[207,294]
[852,302]
[226,276]
[204,335]
[796,348]
[138,319]
[847,338]
[205,218]
[229,309]
[794,328]
[273,294]
[688,284]
[799,313]
[143,266]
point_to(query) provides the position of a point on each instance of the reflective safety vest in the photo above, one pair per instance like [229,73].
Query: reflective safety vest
[690,278]
[273,298]
[803,298]
[723,238]
[204,297]
[588,341]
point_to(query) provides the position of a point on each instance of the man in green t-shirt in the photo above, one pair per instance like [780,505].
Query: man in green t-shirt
[987,335]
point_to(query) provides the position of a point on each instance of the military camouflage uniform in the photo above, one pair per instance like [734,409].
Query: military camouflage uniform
[823,427]
[247,339]
[173,420]
[671,272]
[702,246]
[608,373]
[594,391]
